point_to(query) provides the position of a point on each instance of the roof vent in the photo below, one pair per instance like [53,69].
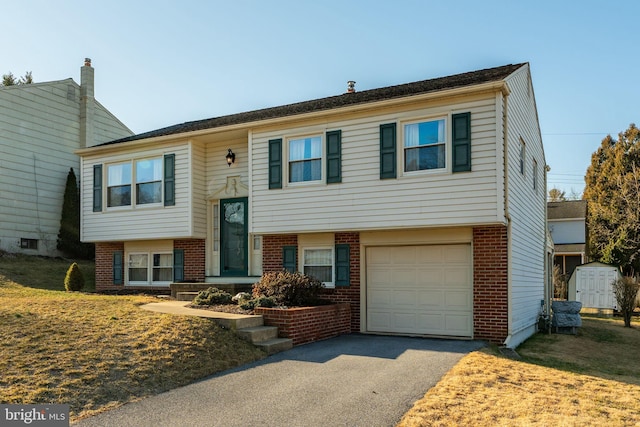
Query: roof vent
[351,86]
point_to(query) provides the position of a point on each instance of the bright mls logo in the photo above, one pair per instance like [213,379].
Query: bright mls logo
[34,415]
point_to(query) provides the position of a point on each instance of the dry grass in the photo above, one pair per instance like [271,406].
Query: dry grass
[592,379]
[98,351]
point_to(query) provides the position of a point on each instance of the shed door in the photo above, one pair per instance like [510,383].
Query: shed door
[593,287]
[420,290]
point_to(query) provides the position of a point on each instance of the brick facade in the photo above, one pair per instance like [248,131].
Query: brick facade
[309,324]
[194,264]
[104,265]
[194,258]
[490,283]
[272,261]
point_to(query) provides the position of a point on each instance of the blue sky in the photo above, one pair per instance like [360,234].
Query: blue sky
[165,62]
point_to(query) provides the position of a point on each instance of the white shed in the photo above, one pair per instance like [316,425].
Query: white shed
[591,285]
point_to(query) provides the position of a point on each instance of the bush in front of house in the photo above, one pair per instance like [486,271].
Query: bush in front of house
[262,301]
[212,296]
[625,290]
[289,289]
[74,280]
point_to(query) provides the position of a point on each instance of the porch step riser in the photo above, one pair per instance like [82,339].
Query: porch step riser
[276,345]
[258,334]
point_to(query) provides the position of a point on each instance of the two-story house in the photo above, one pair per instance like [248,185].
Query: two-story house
[421,204]
[568,226]
[41,127]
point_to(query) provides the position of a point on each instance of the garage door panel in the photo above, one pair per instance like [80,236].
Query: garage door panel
[425,290]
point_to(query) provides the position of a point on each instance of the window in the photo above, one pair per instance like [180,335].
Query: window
[153,178]
[535,174]
[318,263]
[522,147]
[148,181]
[425,145]
[305,159]
[150,268]
[119,185]
[28,243]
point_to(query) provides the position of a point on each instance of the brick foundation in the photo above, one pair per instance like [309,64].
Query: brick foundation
[308,324]
[194,264]
[194,258]
[104,265]
[272,261]
[490,284]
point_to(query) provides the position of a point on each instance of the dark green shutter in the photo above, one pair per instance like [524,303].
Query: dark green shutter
[275,163]
[388,151]
[289,258]
[334,156]
[343,266]
[178,265]
[461,142]
[97,188]
[118,264]
[169,179]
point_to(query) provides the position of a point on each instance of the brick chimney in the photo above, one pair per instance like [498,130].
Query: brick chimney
[87,104]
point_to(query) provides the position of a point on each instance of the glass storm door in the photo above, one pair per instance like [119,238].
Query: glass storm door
[233,237]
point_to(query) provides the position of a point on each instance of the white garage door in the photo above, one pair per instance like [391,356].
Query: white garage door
[425,290]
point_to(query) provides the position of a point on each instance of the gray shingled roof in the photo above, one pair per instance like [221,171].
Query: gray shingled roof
[567,209]
[343,100]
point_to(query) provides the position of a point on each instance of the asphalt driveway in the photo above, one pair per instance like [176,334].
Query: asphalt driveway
[352,380]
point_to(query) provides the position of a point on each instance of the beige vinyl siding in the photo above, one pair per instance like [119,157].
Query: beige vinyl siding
[526,208]
[198,185]
[141,222]
[106,126]
[363,201]
[39,132]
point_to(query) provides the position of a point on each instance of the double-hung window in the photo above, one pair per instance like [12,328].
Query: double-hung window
[148,181]
[150,268]
[318,263]
[305,159]
[119,184]
[146,174]
[425,145]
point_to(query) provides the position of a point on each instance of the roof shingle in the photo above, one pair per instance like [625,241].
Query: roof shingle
[346,99]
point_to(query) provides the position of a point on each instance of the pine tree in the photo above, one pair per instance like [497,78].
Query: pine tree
[613,193]
[69,234]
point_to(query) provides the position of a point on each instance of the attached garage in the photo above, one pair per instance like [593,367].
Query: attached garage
[420,290]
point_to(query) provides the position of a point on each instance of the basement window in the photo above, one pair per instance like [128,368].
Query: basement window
[29,243]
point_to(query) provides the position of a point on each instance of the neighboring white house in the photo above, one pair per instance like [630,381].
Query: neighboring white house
[422,204]
[568,226]
[41,127]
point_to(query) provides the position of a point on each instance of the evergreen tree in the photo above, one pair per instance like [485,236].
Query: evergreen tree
[613,193]
[69,234]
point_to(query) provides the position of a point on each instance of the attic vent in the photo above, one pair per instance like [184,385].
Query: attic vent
[71,93]
[351,86]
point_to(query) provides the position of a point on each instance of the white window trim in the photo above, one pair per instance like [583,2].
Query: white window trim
[323,159]
[447,146]
[328,285]
[150,268]
[133,184]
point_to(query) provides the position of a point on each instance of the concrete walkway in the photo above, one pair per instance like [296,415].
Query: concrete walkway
[180,307]
[351,380]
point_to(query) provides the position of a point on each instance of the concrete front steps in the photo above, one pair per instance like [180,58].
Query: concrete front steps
[249,327]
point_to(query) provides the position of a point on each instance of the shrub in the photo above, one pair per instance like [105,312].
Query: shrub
[626,289]
[212,296]
[289,289]
[74,280]
[258,302]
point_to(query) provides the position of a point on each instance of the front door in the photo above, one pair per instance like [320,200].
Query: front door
[233,237]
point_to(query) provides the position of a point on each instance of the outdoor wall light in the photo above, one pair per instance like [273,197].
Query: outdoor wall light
[231,157]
